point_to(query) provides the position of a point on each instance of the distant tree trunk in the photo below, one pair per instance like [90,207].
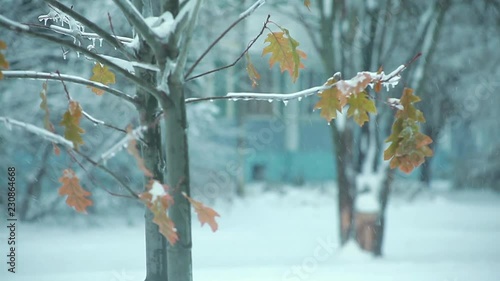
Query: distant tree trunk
[425,170]
[33,188]
[379,230]
[343,147]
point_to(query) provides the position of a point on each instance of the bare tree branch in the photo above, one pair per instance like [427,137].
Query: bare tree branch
[238,59]
[68,78]
[46,134]
[242,16]
[22,28]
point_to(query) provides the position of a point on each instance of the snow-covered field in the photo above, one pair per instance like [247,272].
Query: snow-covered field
[450,237]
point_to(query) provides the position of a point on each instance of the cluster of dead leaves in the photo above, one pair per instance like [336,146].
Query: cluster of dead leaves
[351,92]
[409,146]
[158,200]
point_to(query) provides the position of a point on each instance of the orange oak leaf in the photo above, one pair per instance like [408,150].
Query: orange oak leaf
[283,50]
[77,196]
[71,122]
[205,214]
[158,201]
[132,149]
[103,75]
[165,224]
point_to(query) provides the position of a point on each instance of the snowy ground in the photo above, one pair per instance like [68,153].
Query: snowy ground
[450,237]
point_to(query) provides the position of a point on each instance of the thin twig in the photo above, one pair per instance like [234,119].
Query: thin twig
[88,116]
[199,59]
[111,173]
[405,66]
[64,86]
[92,179]
[111,25]
[238,59]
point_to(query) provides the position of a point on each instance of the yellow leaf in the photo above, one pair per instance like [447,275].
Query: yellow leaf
[251,71]
[283,50]
[71,122]
[77,196]
[103,75]
[331,101]
[359,107]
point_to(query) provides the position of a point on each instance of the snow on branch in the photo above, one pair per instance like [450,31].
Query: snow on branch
[134,134]
[274,96]
[27,30]
[48,135]
[347,87]
[87,35]
[264,96]
[139,23]
[69,78]
[252,9]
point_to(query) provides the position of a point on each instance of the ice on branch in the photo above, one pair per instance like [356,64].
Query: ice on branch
[275,96]
[252,8]
[135,134]
[8,122]
[57,16]
[74,29]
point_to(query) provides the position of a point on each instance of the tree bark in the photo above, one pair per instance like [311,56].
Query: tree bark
[156,244]
[179,255]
